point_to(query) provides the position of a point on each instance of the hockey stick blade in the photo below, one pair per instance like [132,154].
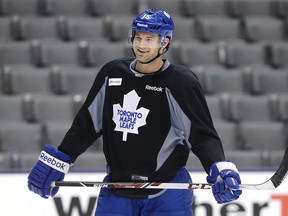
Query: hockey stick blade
[270,184]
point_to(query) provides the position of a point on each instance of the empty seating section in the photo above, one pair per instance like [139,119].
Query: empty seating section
[51,51]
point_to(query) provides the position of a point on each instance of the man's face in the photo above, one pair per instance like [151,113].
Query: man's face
[146,46]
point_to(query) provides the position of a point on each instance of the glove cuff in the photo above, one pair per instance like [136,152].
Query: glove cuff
[53,158]
[217,168]
[225,165]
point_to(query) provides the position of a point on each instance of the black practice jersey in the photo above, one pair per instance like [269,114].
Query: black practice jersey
[149,123]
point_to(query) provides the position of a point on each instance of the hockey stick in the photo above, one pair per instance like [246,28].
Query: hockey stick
[270,184]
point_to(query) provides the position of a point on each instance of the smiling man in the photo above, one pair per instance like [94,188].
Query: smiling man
[151,114]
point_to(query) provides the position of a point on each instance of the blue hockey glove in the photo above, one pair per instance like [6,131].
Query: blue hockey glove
[225,179]
[51,166]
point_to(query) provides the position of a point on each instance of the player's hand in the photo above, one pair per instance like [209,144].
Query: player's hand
[225,179]
[51,166]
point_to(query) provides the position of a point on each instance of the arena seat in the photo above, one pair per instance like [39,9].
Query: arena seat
[27,79]
[73,28]
[17,136]
[268,81]
[5,33]
[262,108]
[19,7]
[193,53]
[119,27]
[270,136]
[55,107]
[240,8]
[204,8]
[256,28]
[48,53]
[283,108]
[185,30]
[172,7]
[11,108]
[28,28]
[220,80]
[219,28]
[65,7]
[15,53]
[249,160]
[72,80]
[277,54]
[112,7]
[239,54]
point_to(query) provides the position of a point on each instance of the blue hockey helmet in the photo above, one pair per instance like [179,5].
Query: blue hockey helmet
[153,21]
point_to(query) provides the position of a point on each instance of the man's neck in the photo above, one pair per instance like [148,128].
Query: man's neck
[151,67]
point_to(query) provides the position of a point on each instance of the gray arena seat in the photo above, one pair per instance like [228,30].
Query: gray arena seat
[172,7]
[25,79]
[268,81]
[5,162]
[115,8]
[20,136]
[101,53]
[49,53]
[82,28]
[194,53]
[219,28]
[216,107]
[20,7]
[11,108]
[5,33]
[227,131]
[240,8]
[253,108]
[72,80]
[258,125]
[15,53]
[185,30]
[229,135]
[119,27]
[281,8]
[268,136]
[28,28]
[65,7]
[204,8]
[54,131]
[283,107]
[220,80]
[239,54]
[263,29]
[277,53]
[248,160]
[55,108]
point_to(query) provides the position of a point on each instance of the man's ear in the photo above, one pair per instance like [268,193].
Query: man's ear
[165,42]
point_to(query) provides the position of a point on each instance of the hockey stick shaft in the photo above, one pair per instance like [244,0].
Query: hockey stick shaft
[270,184]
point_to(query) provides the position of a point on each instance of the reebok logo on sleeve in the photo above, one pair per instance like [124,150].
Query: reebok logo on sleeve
[53,162]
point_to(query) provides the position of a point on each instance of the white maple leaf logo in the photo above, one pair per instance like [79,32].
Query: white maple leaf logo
[128,118]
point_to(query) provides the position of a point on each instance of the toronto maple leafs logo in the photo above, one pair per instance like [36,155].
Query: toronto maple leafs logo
[128,118]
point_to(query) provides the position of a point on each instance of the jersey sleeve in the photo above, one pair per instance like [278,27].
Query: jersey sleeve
[201,134]
[86,128]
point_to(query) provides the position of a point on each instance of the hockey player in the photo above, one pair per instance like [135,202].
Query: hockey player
[151,114]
